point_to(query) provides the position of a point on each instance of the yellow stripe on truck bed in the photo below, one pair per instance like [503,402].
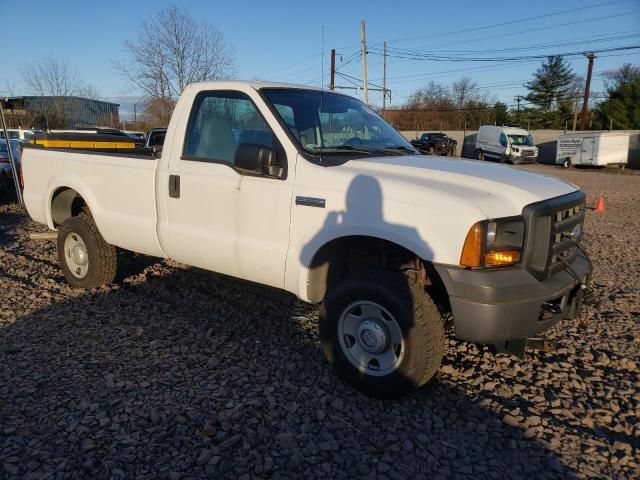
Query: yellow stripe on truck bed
[84,144]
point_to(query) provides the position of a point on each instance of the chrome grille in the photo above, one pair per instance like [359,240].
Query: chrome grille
[528,153]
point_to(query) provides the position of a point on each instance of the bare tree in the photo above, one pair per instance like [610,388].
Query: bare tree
[173,50]
[157,112]
[51,77]
[464,91]
[438,106]
[55,78]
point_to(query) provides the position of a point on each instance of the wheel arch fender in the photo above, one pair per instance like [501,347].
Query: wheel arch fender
[61,202]
[324,262]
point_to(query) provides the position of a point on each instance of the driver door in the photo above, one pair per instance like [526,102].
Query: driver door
[221,218]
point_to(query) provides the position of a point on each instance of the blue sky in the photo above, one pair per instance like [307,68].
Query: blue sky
[282,40]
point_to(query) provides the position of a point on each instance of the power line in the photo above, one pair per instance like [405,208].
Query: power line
[536,29]
[590,40]
[453,58]
[508,22]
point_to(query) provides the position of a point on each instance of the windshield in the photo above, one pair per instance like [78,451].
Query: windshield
[157,138]
[325,122]
[521,140]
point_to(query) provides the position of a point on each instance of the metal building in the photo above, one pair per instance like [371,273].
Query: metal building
[44,112]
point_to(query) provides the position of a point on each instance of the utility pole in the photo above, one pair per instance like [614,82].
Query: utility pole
[518,97]
[384,79]
[332,84]
[585,105]
[364,61]
[135,118]
[575,112]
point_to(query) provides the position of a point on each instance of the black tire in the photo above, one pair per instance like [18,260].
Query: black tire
[480,155]
[102,259]
[4,185]
[566,163]
[416,315]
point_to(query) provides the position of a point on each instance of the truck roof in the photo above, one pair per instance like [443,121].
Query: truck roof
[256,84]
[505,129]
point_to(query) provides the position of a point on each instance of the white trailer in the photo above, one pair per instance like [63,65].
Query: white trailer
[597,149]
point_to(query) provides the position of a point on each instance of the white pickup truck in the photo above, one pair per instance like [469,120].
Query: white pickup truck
[312,192]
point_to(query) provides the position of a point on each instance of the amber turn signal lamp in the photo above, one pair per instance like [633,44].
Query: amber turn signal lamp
[472,250]
[501,258]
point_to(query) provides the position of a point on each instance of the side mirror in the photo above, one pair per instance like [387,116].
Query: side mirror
[257,159]
[156,151]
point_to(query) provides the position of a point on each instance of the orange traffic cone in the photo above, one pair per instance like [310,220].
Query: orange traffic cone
[600,204]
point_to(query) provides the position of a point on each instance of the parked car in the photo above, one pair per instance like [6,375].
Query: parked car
[17,134]
[597,149]
[505,144]
[359,225]
[6,173]
[137,135]
[436,143]
[155,138]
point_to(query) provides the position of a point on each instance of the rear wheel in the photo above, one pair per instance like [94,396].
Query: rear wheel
[87,260]
[566,163]
[381,333]
[480,155]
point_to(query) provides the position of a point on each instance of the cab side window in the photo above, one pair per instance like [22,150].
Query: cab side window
[503,140]
[219,122]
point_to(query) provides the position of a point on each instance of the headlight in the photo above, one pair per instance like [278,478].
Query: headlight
[493,243]
[516,149]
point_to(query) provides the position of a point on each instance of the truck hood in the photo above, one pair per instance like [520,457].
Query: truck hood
[497,190]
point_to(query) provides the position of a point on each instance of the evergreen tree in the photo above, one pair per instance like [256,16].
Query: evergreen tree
[551,84]
[502,113]
[621,109]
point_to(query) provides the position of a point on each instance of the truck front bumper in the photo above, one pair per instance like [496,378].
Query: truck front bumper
[510,304]
[521,160]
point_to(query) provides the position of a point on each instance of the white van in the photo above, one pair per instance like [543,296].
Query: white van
[597,149]
[505,144]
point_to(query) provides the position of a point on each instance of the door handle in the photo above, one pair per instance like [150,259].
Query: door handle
[174,186]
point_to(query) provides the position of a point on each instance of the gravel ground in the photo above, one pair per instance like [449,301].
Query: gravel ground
[175,372]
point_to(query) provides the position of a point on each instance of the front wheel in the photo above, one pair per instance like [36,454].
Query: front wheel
[381,333]
[87,260]
[480,155]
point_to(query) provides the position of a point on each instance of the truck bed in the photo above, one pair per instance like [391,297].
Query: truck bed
[118,188]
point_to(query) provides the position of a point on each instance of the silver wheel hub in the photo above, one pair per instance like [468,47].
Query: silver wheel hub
[76,255]
[79,255]
[373,336]
[370,338]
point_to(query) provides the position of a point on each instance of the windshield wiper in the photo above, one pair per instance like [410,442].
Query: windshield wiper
[342,149]
[401,148]
[393,150]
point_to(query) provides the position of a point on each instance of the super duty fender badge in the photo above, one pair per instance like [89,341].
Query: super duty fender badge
[310,202]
